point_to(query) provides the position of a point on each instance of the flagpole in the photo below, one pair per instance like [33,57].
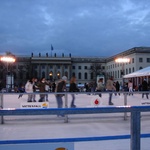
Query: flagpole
[51,49]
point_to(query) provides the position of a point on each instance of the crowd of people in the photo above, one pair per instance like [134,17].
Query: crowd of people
[44,86]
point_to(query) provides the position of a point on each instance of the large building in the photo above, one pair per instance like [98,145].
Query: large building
[86,69]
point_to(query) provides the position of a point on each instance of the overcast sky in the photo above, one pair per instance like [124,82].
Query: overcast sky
[79,27]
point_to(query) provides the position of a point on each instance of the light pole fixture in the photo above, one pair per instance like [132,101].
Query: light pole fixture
[8,59]
[51,75]
[58,75]
[122,61]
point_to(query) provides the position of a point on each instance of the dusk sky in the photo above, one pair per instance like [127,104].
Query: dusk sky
[79,27]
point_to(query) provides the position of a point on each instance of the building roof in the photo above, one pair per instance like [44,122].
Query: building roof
[139,73]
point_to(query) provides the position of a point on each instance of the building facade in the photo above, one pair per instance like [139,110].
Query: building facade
[86,69]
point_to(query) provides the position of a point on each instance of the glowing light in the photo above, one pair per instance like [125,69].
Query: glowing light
[122,60]
[7,59]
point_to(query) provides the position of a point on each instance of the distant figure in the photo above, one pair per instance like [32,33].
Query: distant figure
[130,86]
[73,88]
[110,87]
[21,90]
[100,86]
[86,86]
[117,87]
[140,87]
[53,86]
[144,88]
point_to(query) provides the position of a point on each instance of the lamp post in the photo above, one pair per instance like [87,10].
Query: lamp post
[51,76]
[122,61]
[58,75]
[9,78]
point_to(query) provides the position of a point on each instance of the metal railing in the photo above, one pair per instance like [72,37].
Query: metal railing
[135,121]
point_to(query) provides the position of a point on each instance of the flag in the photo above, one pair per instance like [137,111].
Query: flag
[52,47]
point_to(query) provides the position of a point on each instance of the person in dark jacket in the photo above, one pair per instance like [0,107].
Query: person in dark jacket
[73,88]
[117,87]
[60,86]
[144,88]
[41,87]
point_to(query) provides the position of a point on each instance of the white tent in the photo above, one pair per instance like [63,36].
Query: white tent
[139,73]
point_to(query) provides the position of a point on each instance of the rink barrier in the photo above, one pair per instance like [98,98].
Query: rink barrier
[135,121]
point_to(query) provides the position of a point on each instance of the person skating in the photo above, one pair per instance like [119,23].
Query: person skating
[110,88]
[73,88]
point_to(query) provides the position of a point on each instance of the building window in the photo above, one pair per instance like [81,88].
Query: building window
[73,67]
[66,74]
[140,59]
[66,66]
[43,74]
[79,75]
[35,66]
[103,67]
[129,70]
[58,67]
[91,75]
[115,74]
[148,60]
[43,66]
[21,75]
[132,60]
[73,74]
[85,67]
[51,67]
[126,71]
[140,68]
[85,75]
[79,67]
[133,69]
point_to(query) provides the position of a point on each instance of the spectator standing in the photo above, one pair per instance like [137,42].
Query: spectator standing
[73,88]
[144,88]
[110,88]
[86,86]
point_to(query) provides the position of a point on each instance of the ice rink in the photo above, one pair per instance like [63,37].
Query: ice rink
[94,125]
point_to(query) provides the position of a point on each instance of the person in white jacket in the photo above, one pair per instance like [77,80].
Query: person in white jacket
[130,87]
[29,89]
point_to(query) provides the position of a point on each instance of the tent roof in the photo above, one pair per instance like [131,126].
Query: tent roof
[139,73]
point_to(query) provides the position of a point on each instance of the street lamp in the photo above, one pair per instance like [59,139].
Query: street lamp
[9,77]
[122,61]
[51,75]
[58,75]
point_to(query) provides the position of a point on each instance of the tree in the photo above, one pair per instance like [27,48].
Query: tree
[96,69]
